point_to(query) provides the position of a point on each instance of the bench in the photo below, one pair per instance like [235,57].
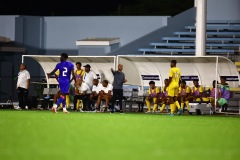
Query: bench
[215,28]
[174,50]
[192,39]
[183,45]
[233,34]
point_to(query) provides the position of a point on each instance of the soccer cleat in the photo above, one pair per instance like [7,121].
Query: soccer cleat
[66,111]
[54,110]
[179,111]
[148,112]
[171,114]
[18,108]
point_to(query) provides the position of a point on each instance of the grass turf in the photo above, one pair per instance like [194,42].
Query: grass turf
[44,135]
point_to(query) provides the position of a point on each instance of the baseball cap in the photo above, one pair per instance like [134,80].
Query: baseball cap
[87,65]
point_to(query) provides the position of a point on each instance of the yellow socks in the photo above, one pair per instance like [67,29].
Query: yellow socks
[163,107]
[182,105]
[187,104]
[148,103]
[155,106]
[177,104]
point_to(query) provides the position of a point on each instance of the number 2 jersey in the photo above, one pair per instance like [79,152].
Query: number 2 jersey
[65,69]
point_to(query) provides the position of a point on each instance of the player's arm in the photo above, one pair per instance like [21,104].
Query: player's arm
[73,76]
[113,72]
[53,71]
[28,84]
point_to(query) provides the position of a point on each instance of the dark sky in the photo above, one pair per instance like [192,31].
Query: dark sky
[94,7]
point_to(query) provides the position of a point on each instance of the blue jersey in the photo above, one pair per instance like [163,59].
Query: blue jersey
[65,69]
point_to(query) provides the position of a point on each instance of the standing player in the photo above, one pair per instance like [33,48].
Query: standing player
[65,68]
[174,77]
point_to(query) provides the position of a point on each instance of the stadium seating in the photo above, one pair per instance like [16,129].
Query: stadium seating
[223,38]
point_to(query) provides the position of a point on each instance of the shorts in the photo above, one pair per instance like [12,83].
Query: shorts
[64,87]
[222,101]
[173,90]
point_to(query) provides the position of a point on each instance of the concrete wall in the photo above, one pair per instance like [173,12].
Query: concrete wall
[223,9]
[7,27]
[62,32]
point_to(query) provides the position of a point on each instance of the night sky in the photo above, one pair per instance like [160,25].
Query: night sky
[95,7]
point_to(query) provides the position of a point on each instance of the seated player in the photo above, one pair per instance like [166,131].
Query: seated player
[184,93]
[225,93]
[81,93]
[197,92]
[95,93]
[212,95]
[105,93]
[164,96]
[153,95]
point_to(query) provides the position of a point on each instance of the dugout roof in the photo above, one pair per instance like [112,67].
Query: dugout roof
[140,69]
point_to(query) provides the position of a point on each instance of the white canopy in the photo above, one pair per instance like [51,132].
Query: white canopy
[140,69]
[101,65]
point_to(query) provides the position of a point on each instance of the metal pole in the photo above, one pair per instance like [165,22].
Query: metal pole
[201,27]
[215,103]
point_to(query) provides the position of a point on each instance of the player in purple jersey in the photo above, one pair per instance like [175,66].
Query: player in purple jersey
[66,69]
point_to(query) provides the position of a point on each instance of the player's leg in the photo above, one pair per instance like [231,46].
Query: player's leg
[148,103]
[164,102]
[155,105]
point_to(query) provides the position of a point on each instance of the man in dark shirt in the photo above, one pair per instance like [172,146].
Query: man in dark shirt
[119,79]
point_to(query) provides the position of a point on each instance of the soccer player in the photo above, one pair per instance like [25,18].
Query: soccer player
[225,92]
[174,77]
[153,95]
[79,72]
[164,96]
[212,95]
[197,91]
[184,93]
[66,69]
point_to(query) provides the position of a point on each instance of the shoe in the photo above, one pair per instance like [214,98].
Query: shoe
[170,114]
[121,112]
[26,107]
[54,110]
[180,111]
[18,108]
[66,111]
[148,112]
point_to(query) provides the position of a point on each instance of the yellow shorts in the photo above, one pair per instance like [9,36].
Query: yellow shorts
[173,90]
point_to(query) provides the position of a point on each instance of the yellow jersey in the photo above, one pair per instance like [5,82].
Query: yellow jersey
[79,74]
[197,90]
[184,91]
[175,74]
[153,92]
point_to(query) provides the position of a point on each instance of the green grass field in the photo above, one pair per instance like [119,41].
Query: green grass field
[44,135]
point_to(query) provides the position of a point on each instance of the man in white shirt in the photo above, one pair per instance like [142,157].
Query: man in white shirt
[82,92]
[105,93]
[95,92]
[23,84]
[89,76]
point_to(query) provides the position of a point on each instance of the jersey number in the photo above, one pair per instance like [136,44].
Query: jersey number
[64,72]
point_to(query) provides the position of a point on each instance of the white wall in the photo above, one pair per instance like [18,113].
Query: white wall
[7,26]
[62,32]
[223,9]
